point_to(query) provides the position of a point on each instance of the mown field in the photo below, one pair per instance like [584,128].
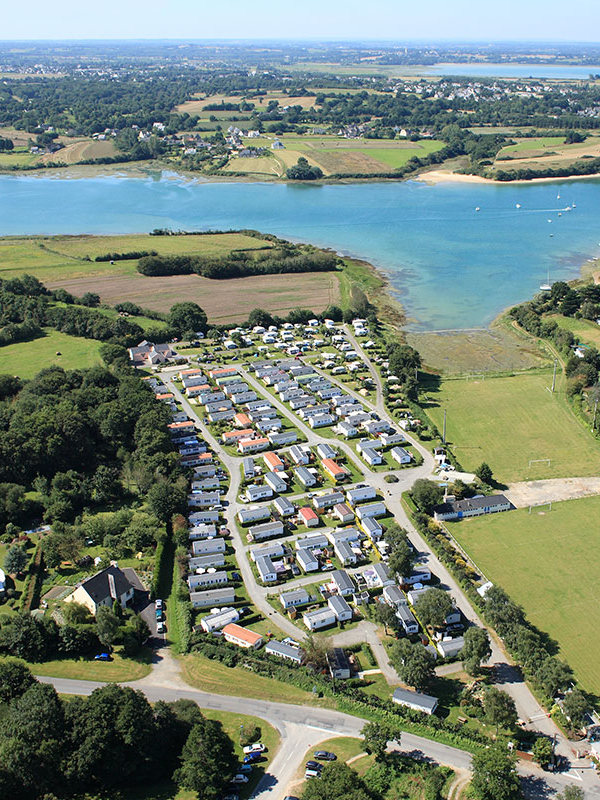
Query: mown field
[26,359]
[508,421]
[545,152]
[548,562]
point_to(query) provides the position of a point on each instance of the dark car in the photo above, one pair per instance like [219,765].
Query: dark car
[103,657]
[252,757]
[325,755]
[295,570]
[236,576]
[314,765]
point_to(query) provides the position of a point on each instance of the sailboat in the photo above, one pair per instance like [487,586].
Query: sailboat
[545,287]
[558,196]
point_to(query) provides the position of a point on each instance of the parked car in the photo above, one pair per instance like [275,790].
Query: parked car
[314,765]
[159,614]
[158,603]
[245,769]
[239,778]
[312,773]
[325,755]
[161,627]
[257,747]
[103,657]
[251,757]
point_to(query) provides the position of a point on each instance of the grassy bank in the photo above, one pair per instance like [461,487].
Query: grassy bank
[26,359]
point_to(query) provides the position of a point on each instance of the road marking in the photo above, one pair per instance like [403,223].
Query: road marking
[327,730]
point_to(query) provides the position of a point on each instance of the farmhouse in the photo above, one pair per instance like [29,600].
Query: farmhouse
[242,637]
[472,507]
[102,589]
[415,700]
[148,354]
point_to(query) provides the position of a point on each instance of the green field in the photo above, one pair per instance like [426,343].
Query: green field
[119,669]
[526,145]
[585,330]
[54,258]
[26,359]
[508,421]
[398,156]
[549,563]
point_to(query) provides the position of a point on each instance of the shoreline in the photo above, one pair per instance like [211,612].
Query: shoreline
[161,171]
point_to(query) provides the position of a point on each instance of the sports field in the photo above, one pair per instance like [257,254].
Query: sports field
[26,359]
[548,562]
[509,421]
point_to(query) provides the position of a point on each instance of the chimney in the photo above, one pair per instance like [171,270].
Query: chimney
[111,586]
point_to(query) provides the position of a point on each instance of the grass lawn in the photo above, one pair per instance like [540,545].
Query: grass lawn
[548,562]
[119,669]
[585,330]
[212,676]
[26,359]
[345,747]
[508,421]
[398,156]
[526,145]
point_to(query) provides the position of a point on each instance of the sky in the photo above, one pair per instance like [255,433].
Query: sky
[398,20]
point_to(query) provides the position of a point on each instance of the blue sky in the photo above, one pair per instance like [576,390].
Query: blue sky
[397,20]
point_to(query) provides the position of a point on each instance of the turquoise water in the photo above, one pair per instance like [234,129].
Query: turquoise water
[450,265]
[556,71]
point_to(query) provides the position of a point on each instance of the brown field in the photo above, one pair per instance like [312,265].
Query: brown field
[81,150]
[348,161]
[198,105]
[224,301]
[256,166]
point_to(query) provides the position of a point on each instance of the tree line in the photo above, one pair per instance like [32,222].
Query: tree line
[113,740]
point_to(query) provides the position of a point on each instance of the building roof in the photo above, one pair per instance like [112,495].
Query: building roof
[341,578]
[307,513]
[283,649]
[331,466]
[338,605]
[337,659]
[243,634]
[407,696]
[98,586]
[296,594]
[471,503]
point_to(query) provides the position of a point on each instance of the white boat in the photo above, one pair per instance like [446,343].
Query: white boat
[518,205]
[477,208]
[558,196]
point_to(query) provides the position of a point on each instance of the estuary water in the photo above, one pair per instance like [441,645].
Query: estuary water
[451,265]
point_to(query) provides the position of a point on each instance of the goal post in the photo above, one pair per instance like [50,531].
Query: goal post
[540,506]
[547,461]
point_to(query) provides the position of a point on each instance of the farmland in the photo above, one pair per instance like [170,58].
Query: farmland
[546,152]
[584,330]
[527,554]
[508,421]
[26,359]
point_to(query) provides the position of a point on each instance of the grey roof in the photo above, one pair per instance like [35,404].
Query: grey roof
[283,649]
[342,579]
[338,604]
[337,659]
[470,503]
[98,586]
[415,698]
[296,594]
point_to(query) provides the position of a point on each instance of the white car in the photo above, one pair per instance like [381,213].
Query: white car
[239,778]
[257,747]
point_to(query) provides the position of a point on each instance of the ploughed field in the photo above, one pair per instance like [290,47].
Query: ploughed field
[68,262]
[548,561]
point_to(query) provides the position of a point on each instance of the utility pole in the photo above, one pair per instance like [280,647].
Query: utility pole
[595,410]
[554,375]
[444,433]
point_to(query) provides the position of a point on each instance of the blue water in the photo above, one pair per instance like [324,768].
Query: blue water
[451,266]
[555,71]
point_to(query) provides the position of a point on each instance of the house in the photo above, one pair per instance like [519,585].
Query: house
[321,420]
[253,445]
[472,507]
[299,455]
[371,510]
[254,513]
[345,553]
[308,517]
[326,451]
[372,457]
[381,575]
[242,637]
[305,476]
[415,700]
[205,579]
[257,492]
[248,468]
[400,455]
[148,354]
[306,560]
[266,569]
[342,582]
[285,437]
[203,546]
[276,482]
[327,500]
[339,665]
[273,462]
[312,541]
[340,608]
[372,528]
[283,506]
[205,561]
[450,648]
[231,437]
[393,437]
[204,531]
[321,618]
[283,650]
[102,589]
[273,550]
[203,499]
[334,470]
[346,429]
[266,530]
[343,512]
[218,620]
[359,494]
[213,598]
[297,597]
[420,575]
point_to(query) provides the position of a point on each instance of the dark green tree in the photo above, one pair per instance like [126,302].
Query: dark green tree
[484,473]
[433,607]
[376,736]
[575,707]
[207,760]
[187,316]
[543,750]
[476,649]
[338,782]
[16,560]
[499,709]
[494,775]
[413,663]
[426,494]
[107,626]
[15,679]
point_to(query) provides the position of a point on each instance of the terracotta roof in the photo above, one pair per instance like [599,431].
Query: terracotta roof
[241,633]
